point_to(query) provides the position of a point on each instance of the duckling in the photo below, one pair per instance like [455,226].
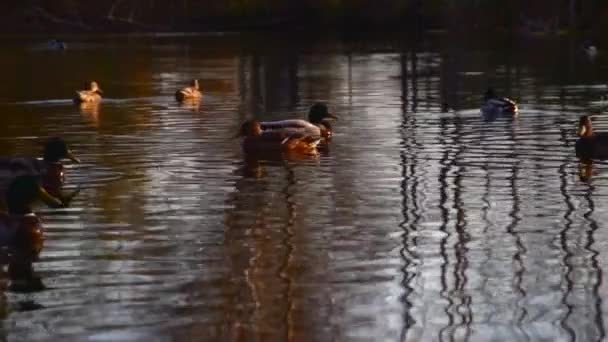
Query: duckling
[92,93]
[256,140]
[590,145]
[318,124]
[189,93]
[20,228]
[494,105]
[49,170]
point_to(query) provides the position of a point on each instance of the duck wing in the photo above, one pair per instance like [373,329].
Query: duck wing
[188,93]
[85,96]
[291,127]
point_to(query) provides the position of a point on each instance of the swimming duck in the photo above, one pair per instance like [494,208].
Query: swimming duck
[494,105]
[258,141]
[189,93]
[92,93]
[57,44]
[590,145]
[590,49]
[20,228]
[49,170]
[318,124]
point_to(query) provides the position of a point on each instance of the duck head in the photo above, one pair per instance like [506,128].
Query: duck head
[584,127]
[250,128]
[56,149]
[318,113]
[94,87]
[22,192]
[490,94]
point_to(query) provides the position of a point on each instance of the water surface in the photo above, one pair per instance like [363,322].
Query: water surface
[423,221]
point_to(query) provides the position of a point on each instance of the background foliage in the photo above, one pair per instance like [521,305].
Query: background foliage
[193,15]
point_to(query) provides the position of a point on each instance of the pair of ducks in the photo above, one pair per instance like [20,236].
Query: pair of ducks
[293,136]
[92,93]
[32,179]
[589,146]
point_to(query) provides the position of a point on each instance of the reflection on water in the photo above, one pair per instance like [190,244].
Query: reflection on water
[421,221]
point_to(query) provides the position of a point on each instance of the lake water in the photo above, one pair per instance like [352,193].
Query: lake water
[423,221]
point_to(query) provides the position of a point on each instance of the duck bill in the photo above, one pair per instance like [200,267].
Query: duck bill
[48,199]
[72,157]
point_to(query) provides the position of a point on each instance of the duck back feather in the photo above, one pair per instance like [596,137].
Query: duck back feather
[292,126]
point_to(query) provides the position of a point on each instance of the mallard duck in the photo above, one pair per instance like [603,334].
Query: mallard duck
[49,170]
[494,105]
[20,228]
[189,93]
[318,124]
[590,145]
[92,93]
[257,141]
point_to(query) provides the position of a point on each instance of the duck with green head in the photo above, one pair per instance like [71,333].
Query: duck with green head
[318,124]
[91,93]
[49,170]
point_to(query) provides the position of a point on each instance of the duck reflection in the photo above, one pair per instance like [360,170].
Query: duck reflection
[192,104]
[585,171]
[90,110]
[260,243]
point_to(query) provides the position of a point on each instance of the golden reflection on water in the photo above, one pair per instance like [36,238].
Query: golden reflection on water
[415,223]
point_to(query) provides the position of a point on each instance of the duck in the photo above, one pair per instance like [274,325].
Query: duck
[191,92]
[494,105]
[256,140]
[56,44]
[590,145]
[49,169]
[318,124]
[21,229]
[590,49]
[92,93]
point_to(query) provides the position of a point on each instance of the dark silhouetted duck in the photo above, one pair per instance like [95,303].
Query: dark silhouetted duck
[494,105]
[20,228]
[318,124]
[56,44]
[257,141]
[590,145]
[49,170]
[590,49]
[191,92]
[91,93]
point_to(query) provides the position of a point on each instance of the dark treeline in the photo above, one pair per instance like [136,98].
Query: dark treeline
[546,16]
